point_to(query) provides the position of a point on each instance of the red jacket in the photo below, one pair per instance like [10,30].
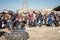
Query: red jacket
[31,16]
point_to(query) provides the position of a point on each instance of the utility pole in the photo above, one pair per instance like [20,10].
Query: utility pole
[24,6]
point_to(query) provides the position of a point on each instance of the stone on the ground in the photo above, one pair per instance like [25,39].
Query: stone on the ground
[17,35]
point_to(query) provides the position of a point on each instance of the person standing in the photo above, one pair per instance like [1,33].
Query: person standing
[34,18]
[41,19]
[30,19]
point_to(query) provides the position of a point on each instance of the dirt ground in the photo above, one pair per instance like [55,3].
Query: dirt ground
[42,33]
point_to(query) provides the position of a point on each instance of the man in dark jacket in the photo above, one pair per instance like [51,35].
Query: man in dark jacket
[41,19]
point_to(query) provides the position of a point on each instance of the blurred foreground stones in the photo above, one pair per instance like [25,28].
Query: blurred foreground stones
[17,36]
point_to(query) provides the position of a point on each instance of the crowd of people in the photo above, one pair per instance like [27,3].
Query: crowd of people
[15,21]
[52,19]
[11,20]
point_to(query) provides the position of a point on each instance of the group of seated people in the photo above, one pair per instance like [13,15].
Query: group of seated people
[15,21]
[12,21]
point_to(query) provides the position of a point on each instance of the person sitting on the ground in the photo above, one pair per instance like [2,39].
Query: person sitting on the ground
[9,21]
[20,25]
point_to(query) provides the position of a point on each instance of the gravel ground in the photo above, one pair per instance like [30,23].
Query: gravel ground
[42,33]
